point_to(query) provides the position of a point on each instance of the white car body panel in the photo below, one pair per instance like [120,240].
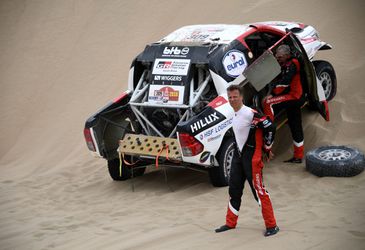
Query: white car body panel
[212,137]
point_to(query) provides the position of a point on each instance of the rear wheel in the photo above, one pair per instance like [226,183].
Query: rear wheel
[124,173]
[327,76]
[219,176]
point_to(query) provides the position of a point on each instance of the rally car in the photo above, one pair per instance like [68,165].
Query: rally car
[175,111]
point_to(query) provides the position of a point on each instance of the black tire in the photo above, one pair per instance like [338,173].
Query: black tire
[338,161]
[219,176]
[114,171]
[326,74]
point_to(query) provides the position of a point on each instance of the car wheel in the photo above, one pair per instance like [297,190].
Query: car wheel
[327,76]
[339,161]
[114,170]
[219,176]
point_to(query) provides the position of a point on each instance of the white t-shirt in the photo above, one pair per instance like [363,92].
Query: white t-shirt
[241,125]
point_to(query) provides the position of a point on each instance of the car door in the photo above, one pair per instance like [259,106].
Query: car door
[311,84]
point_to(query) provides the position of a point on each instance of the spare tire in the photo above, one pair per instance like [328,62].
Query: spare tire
[338,161]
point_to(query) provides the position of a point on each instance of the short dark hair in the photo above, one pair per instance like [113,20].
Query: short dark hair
[235,87]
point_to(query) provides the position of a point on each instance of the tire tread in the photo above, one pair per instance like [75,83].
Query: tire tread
[340,168]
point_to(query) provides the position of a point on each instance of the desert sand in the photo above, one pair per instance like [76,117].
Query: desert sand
[62,60]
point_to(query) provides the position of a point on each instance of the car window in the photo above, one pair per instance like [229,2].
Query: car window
[259,42]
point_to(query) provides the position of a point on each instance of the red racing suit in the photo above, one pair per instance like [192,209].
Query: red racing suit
[247,165]
[288,94]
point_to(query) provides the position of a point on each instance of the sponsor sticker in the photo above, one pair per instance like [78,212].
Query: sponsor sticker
[164,66]
[258,184]
[204,156]
[175,51]
[196,126]
[234,63]
[198,35]
[218,101]
[213,138]
[215,132]
[167,78]
[201,35]
[166,94]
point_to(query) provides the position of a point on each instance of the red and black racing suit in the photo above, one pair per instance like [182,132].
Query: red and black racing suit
[288,94]
[247,165]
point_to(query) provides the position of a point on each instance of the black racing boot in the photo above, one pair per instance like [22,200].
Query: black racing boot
[223,228]
[294,160]
[271,231]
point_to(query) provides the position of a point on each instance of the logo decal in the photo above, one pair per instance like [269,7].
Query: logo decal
[234,63]
[166,94]
[197,35]
[171,67]
[168,78]
[175,51]
[218,101]
[204,122]
[204,156]
[213,138]
[216,131]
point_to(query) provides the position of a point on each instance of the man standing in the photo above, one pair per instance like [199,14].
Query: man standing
[287,93]
[254,133]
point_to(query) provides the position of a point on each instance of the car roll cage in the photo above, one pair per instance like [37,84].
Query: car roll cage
[140,96]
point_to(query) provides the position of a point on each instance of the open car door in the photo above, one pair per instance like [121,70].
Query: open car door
[311,85]
[265,68]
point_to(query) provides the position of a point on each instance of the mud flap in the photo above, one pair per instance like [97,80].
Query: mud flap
[320,101]
[322,108]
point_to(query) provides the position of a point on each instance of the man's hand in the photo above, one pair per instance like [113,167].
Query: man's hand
[268,156]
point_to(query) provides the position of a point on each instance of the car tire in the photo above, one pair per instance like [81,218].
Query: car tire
[338,161]
[219,176]
[326,74]
[114,165]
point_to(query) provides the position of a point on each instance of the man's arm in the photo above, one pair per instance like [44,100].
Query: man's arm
[268,129]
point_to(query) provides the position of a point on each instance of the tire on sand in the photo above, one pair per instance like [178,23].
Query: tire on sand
[338,161]
[114,170]
[219,176]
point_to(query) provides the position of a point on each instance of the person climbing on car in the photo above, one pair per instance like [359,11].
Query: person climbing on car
[287,93]
[254,134]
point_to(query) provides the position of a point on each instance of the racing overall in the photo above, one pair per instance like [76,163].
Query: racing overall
[288,94]
[258,133]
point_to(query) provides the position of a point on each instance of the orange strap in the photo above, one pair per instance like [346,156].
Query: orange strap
[122,159]
[126,162]
[159,153]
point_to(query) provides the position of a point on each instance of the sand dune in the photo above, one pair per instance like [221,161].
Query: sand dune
[62,60]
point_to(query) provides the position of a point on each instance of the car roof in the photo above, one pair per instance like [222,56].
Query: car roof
[206,33]
[219,33]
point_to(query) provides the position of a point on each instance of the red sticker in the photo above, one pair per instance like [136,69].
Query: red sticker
[218,101]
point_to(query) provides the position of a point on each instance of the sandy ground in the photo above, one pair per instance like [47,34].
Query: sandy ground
[62,60]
